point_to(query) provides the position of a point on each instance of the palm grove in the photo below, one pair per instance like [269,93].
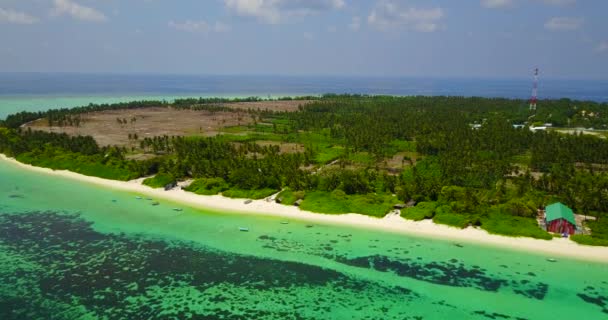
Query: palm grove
[494,176]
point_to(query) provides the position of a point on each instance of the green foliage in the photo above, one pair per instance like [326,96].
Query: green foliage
[338,202]
[423,210]
[289,197]
[328,154]
[86,165]
[514,226]
[589,240]
[517,207]
[445,215]
[159,181]
[249,194]
[599,233]
[208,186]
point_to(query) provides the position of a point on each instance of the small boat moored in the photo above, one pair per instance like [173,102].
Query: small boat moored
[243,229]
[552,260]
[155,203]
[138,198]
[284,222]
[178,209]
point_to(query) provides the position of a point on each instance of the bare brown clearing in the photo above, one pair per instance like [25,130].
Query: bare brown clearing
[160,121]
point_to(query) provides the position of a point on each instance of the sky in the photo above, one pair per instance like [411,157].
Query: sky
[390,38]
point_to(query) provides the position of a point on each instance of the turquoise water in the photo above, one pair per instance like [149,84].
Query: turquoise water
[73,250]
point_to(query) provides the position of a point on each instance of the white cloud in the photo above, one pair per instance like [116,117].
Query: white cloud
[492,4]
[355,24]
[308,36]
[563,24]
[77,11]
[388,14]
[558,2]
[199,26]
[276,11]
[498,4]
[602,47]
[12,16]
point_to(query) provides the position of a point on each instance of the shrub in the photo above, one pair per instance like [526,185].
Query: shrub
[514,226]
[423,210]
[444,215]
[159,181]
[248,194]
[289,197]
[589,240]
[208,186]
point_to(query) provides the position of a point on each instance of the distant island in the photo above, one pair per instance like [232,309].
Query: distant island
[487,163]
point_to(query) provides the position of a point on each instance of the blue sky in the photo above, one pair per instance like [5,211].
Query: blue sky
[435,38]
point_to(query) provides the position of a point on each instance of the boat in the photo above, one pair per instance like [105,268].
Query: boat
[155,203]
[138,198]
[149,199]
[178,209]
[284,222]
[113,200]
[243,229]
[248,201]
[552,260]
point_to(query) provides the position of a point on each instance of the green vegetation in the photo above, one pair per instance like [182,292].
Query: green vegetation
[423,210]
[445,215]
[494,177]
[289,197]
[509,225]
[599,234]
[589,240]
[208,186]
[338,202]
[248,193]
[159,181]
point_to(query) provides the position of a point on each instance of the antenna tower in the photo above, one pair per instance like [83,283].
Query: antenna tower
[534,97]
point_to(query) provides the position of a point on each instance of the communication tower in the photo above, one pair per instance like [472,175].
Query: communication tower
[534,98]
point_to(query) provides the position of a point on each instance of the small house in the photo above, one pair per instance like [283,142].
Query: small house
[560,219]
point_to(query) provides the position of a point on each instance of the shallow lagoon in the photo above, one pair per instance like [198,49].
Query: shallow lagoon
[73,250]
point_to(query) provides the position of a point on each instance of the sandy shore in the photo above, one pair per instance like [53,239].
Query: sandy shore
[392,223]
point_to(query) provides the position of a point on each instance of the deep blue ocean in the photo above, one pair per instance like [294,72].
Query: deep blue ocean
[39,91]
[53,84]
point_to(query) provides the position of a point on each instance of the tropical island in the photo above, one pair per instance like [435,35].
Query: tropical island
[490,164]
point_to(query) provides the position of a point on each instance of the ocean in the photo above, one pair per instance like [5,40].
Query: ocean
[41,91]
[72,250]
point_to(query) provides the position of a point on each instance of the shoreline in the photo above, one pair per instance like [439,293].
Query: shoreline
[557,247]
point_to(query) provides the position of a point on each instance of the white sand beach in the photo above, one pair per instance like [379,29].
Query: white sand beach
[554,248]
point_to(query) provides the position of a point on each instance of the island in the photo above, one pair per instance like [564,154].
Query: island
[487,165]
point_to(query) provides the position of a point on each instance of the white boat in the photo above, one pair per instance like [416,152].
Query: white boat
[178,209]
[552,260]
[243,229]
[138,198]
[284,222]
